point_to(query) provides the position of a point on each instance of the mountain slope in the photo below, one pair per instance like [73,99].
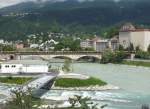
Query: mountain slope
[71,16]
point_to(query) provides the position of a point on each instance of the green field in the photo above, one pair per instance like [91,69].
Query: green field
[14,80]
[136,63]
[69,82]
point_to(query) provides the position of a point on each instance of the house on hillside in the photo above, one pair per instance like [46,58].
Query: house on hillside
[138,37]
[34,46]
[48,45]
[24,66]
[2,41]
[19,45]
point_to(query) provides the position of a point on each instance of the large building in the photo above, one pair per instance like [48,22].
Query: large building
[24,66]
[138,37]
[100,44]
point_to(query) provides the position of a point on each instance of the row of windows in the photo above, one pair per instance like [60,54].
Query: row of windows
[7,66]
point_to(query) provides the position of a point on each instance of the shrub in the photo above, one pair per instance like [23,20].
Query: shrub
[137,48]
[23,100]
[14,80]
[148,49]
[121,48]
[67,65]
[142,55]
[112,57]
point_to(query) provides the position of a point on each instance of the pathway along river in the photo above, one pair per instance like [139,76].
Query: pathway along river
[133,81]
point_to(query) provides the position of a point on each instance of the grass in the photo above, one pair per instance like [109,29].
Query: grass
[69,82]
[136,63]
[14,80]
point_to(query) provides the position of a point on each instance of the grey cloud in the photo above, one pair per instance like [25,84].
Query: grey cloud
[4,3]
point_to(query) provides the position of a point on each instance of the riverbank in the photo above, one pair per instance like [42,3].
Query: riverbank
[88,88]
[77,82]
[135,63]
[15,80]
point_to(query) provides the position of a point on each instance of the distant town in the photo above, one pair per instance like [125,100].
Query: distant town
[128,36]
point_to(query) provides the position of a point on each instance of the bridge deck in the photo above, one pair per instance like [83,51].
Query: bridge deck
[50,52]
[35,84]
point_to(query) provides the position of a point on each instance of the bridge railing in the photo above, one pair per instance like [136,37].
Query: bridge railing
[50,52]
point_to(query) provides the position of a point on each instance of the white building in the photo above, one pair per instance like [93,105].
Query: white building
[34,46]
[48,45]
[24,66]
[86,43]
[1,41]
[138,37]
[99,44]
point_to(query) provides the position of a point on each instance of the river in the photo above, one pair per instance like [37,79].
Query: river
[134,83]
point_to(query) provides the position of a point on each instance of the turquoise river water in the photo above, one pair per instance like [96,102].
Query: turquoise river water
[134,83]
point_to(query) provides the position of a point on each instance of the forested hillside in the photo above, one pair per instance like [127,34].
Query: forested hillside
[71,16]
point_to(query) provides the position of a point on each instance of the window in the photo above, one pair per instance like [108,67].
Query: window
[13,66]
[7,66]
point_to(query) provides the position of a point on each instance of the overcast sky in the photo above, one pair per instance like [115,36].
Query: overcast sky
[4,3]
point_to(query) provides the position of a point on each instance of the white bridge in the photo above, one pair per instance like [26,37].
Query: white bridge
[50,55]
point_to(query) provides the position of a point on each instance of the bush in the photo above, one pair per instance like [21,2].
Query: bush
[23,100]
[67,65]
[14,80]
[142,55]
[112,57]
[69,82]
[148,49]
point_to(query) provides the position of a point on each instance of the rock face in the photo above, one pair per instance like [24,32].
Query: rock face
[90,88]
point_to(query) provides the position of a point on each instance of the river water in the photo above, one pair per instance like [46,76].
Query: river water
[134,83]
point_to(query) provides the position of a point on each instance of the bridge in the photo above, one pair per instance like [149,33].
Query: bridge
[51,54]
[39,85]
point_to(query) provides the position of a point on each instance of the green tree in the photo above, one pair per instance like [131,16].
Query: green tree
[75,46]
[121,48]
[112,57]
[23,100]
[67,65]
[148,49]
[107,56]
[130,48]
[85,103]
[111,32]
[7,48]
[137,48]
[55,27]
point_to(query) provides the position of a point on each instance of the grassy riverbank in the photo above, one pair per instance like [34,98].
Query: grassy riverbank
[14,80]
[69,82]
[136,63]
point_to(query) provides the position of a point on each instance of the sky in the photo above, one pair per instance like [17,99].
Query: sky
[4,3]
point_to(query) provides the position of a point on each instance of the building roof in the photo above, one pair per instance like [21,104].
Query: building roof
[95,39]
[128,27]
[27,62]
